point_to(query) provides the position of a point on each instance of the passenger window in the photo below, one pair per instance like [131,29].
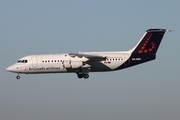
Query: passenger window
[26,61]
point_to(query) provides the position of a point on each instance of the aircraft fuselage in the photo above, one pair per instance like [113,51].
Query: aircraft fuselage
[61,63]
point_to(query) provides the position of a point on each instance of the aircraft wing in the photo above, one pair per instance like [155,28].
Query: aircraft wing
[88,56]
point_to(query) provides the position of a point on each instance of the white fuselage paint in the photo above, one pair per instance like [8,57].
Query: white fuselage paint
[60,63]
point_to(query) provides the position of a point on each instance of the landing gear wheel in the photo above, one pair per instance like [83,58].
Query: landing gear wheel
[80,75]
[18,77]
[86,76]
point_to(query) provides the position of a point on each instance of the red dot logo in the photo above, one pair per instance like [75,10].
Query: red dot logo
[144,48]
[140,51]
[145,51]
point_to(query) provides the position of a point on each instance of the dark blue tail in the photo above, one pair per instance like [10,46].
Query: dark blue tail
[146,48]
[150,42]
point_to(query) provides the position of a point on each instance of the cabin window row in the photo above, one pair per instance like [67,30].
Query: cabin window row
[108,59]
[114,59]
[45,61]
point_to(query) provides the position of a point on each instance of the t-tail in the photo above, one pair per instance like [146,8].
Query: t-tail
[146,48]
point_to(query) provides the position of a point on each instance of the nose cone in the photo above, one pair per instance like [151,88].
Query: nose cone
[9,69]
[13,68]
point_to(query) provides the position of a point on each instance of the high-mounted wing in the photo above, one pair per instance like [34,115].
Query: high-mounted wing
[90,57]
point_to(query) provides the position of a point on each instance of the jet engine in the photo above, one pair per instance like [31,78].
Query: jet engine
[72,64]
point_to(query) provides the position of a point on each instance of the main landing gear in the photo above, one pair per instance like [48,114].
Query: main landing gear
[86,76]
[18,77]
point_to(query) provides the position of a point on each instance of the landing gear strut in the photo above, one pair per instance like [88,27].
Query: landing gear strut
[86,76]
[18,77]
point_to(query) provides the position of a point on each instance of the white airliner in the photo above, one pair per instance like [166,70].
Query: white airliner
[84,62]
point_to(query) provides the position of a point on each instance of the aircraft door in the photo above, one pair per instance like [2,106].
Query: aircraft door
[34,61]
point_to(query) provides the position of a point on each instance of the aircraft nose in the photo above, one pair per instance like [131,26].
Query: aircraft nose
[12,68]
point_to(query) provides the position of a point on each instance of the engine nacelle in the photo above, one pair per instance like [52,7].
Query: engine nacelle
[72,64]
[76,64]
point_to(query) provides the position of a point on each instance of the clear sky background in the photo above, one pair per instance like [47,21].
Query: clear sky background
[150,91]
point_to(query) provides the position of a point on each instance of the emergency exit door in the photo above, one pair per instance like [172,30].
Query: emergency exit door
[34,61]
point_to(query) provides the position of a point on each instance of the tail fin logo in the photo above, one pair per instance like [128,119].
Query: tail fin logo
[144,49]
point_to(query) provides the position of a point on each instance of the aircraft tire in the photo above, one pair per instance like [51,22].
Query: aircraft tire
[18,77]
[80,75]
[86,76]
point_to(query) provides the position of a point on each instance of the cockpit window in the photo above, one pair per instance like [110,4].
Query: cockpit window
[18,61]
[22,61]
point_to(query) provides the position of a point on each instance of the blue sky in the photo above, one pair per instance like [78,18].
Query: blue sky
[148,91]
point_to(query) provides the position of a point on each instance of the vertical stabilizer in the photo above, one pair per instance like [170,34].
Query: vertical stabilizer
[145,50]
[150,42]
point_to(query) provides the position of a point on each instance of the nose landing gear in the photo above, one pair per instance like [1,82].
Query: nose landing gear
[18,77]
